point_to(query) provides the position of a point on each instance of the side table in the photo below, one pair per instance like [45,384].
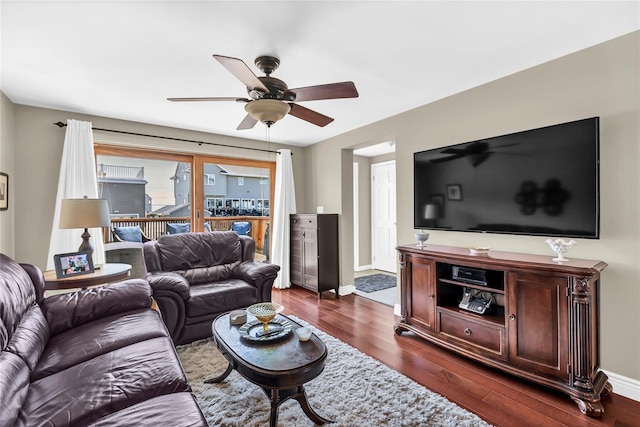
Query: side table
[109,272]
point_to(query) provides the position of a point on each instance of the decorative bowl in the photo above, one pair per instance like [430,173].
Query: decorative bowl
[304,333]
[265,312]
[421,237]
[560,247]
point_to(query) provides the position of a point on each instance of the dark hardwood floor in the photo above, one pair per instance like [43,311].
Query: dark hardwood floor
[498,398]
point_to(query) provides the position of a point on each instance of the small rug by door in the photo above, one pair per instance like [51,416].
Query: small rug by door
[353,390]
[375,282]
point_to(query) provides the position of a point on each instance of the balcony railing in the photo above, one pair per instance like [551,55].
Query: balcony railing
[121,172]
[156,227]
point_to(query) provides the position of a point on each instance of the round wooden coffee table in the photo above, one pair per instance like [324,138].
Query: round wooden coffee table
[281,373]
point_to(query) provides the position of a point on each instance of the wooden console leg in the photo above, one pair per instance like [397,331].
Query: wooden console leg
[591,408]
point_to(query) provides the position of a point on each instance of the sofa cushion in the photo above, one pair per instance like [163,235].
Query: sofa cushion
[178,227]
[175,410]
[65,311]
[218,297]
[14,386]
[194,250]
[86,392]
[101,336]
[129,234]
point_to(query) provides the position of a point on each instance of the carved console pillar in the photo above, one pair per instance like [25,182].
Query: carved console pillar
[588,382]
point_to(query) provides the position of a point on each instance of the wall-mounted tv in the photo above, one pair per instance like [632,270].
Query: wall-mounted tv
[537,182]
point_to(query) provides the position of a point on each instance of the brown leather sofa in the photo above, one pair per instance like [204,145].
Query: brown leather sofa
[197,276]
[97,357]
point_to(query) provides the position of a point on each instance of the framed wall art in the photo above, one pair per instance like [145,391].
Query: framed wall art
[4,191]
[454,192]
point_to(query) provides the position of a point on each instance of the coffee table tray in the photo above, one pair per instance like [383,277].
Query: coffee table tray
[253,331]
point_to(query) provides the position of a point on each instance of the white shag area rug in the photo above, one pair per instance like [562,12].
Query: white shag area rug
[353,390]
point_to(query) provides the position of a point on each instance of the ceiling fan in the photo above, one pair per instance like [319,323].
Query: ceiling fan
[270,99]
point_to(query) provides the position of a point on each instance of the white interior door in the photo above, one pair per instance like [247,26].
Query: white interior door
[383,216]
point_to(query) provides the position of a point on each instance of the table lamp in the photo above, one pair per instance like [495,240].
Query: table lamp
[84,213]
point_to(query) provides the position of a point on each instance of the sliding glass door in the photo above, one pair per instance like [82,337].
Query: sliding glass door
[153,189]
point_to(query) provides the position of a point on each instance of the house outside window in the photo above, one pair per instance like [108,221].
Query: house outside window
[209,179]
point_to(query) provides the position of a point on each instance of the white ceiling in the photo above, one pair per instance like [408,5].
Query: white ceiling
[123,59]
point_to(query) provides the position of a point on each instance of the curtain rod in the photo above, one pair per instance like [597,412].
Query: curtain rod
[61,125]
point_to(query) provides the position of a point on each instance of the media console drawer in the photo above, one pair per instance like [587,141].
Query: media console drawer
[487,336]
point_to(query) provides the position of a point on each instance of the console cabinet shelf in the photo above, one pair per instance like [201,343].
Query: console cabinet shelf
[541,324]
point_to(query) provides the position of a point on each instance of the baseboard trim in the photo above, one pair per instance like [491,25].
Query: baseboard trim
[364,267]
[396,310]
[624,386]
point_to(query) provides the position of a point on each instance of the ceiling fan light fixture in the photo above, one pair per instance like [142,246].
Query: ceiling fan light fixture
[267,111]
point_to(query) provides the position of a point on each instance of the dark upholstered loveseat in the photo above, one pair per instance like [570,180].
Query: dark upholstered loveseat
[98,357]
[197,276]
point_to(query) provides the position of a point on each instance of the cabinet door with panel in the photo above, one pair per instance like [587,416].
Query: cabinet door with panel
[537,323]
[310,258]
[420,293]
[296,253]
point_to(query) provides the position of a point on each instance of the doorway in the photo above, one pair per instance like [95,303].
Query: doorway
[369,280]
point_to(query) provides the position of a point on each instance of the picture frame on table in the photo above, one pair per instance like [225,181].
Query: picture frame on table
[73,264]
[4,191]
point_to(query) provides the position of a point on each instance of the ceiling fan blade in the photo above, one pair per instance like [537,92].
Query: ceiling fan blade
[309,115]
[247,123]
[214,98]
[328,91]
[238,68]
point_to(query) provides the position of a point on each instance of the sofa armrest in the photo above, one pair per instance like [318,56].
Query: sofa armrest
[168,281]
[258,274]
[65,311]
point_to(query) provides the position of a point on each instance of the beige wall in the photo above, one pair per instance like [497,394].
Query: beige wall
[7,144]
[38,152]
[599,81]
[364,210]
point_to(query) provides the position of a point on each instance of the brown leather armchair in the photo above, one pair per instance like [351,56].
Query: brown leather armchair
[197,276]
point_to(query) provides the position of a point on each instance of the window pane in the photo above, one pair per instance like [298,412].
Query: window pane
[144,188]
[237,190]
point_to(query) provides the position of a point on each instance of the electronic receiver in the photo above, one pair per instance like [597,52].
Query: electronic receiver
[475,276]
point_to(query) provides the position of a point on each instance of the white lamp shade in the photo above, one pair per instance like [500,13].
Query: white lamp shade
[432,211]
[84,213]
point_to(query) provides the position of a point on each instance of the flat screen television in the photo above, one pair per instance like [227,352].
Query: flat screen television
[537,182]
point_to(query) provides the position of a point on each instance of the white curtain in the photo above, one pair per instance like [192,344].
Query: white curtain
[284,205]
[77,179]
